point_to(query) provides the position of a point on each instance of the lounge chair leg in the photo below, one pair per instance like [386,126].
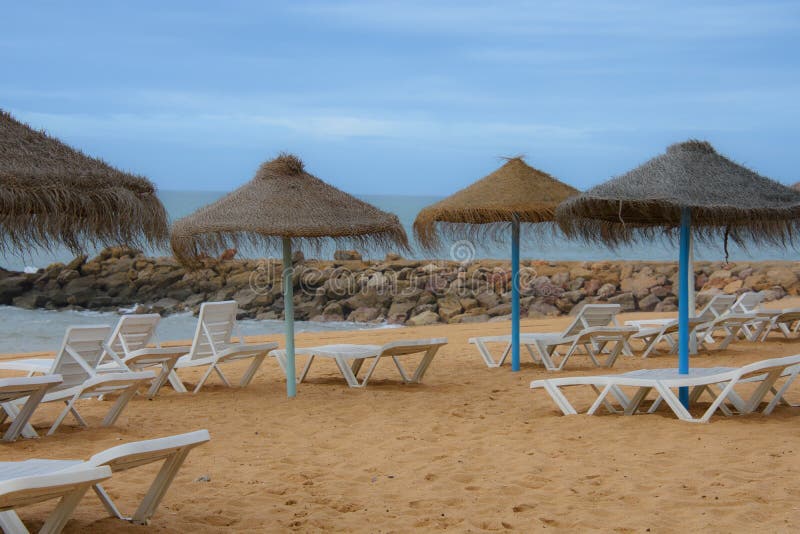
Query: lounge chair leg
[424,364]
[159,487]
[10,523]
[367,376]
[251,370]
[59,517]
[637,400]
[22,416]
[161,379]
[222,377]
[779,395]
[487,356]
[204,378]
[109,505]
[560,400]
[67,409]
[123,400]
[672,401]
[176,382]
[347,373]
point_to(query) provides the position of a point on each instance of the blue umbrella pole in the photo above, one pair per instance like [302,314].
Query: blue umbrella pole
[515,294]
[683,301]
[288,317]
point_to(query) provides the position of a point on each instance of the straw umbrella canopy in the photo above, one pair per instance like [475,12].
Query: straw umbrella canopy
[51,193]
[515,193]
[282,207]
[690,189]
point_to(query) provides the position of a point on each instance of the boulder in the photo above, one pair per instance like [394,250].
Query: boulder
[468,303]
[449,307]
[362,315]
[626,300]
[500,309]
[11,287]
[488,299]
[649,302]
[398,312]
[606,290]
[347,255]
[424,318]
[782,277]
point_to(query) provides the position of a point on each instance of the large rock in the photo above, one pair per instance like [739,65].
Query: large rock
[424,318]
[606,290]
[11,287]
[625,300]
[449,307]
[347,255]
[782,277]
[363,315]
[649,303]
[488,299]
[398,312]
[500,309]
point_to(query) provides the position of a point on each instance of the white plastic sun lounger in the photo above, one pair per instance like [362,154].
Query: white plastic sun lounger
[787,322]
[212,346]
[350,358]
[652,336]
[130,344]
[718,306]
[731,325]
[19,488]
[594,329]
[171,450]
[32,388]
[719,382]
[76,362]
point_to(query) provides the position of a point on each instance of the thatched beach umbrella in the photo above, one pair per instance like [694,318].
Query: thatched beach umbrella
[689,189]
[51,193]
[282,207]
[513,194]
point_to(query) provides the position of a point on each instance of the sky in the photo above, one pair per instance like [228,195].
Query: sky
[405,97]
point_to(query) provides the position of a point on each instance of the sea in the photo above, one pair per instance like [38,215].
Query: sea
[41,330]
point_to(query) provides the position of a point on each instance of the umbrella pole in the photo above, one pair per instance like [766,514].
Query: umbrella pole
[683,301]
[288,317]
[692,303]
[515,294]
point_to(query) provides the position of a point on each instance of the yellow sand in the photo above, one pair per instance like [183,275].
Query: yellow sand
[471,450]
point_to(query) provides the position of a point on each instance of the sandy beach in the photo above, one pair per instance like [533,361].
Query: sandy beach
[470,450]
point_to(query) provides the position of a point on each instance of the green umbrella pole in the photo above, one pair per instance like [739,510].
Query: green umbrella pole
[288,318]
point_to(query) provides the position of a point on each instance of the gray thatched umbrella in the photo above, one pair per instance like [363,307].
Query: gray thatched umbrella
[51,193]
[283,206]
[690,188]
[514,193]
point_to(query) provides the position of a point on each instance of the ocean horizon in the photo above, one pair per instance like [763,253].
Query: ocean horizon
[181,203]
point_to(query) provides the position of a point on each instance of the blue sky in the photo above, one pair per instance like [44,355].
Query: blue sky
[406,97]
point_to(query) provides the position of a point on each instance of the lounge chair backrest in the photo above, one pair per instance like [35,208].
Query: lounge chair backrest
[400,348]
[138,453]
[81,351]
[765,366]
[718,305]
[134,332]
[789,315]
[592,315]
[215,326]
[747,302]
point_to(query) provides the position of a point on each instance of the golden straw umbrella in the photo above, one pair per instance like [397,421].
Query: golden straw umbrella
[51,193]
[513,194]
[690,189]
[282,207]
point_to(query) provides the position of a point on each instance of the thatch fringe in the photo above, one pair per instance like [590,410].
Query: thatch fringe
[725,198]
[53,194]
[283,200]
[483,210]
